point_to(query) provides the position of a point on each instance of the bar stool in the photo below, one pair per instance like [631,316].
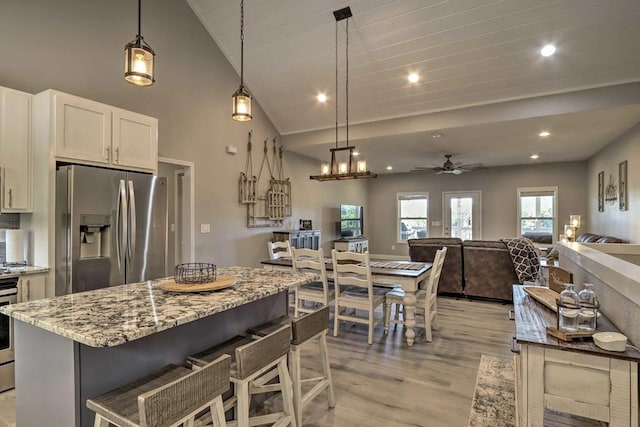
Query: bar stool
[253,359]
[170,397]
[305,329]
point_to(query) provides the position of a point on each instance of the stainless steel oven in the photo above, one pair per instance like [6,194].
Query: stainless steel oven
[8,295]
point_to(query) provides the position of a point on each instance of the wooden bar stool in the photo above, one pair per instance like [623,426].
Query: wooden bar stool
[171,397]
[305,329]
[252,360]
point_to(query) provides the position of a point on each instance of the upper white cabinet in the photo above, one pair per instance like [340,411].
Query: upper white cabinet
[94,133]
[16,161]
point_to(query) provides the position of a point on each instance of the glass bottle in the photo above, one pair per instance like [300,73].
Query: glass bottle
[588,309]
[568,309]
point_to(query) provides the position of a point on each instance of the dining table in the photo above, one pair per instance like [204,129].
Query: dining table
[386,272]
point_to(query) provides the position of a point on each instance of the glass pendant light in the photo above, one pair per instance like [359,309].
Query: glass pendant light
[138,58]
[241,98]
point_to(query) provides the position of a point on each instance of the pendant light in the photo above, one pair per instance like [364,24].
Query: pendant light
[138,58]
[241,98]
[348,169]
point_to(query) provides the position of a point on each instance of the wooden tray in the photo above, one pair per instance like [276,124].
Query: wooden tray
[567,336]
[545,296]
[222,282]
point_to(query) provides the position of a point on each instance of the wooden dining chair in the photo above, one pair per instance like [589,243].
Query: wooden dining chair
[354,289]
[427,299]
[317,293]
[279,250]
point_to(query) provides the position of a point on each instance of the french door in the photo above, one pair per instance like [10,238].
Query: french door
[462,214]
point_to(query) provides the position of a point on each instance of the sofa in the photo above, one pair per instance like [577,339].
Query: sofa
[451,278]
[597,238]
[472,268]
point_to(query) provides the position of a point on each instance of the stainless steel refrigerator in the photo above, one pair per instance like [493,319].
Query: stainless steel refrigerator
[111,228]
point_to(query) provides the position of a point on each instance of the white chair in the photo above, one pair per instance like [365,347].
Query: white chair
[427,299]
[354,289]
[311,260]
[170,397]
[279,250]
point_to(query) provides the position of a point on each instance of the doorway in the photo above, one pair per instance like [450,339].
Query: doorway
[181,208]
[462,214]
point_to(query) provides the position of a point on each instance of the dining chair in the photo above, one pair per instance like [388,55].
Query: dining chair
[354,289]
[318,293]
[279,250]
[427,299]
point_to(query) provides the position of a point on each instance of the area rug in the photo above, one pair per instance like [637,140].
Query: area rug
[494,395]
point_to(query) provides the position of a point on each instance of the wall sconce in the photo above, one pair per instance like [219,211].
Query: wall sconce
[574,221]
[570,232]
[563,238]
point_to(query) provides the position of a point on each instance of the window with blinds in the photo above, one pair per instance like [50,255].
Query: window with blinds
[537,213]
[412,218]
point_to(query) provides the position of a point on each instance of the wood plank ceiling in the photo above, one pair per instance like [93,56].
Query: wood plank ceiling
[466,52]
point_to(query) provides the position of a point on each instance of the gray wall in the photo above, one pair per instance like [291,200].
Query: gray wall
[499,197]
[76,46]
[613,221]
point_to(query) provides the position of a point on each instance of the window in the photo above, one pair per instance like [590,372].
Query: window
[537,213]
[412,216]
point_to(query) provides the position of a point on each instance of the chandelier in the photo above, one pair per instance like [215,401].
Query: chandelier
[345,167]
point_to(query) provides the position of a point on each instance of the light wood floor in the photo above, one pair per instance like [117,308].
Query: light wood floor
[430,384]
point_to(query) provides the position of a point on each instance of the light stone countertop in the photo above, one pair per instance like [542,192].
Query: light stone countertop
[21,271]
[112,316]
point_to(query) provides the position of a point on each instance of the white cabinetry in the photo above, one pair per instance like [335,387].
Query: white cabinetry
[31,287]
[16,159]
[352,245]
[94,133]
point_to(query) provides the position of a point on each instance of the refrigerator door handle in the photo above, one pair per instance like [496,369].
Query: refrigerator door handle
[121,217]
[132,216]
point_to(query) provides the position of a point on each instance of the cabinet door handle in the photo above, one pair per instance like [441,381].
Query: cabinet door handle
[10,198]
[513,346]
[117,155]
[108,149]
[511,315]
[28,290]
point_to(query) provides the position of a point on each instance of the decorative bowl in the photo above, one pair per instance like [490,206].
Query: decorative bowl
[610,341]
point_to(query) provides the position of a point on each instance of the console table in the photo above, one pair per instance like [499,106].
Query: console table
[573,377]
[355,244]
[299,238]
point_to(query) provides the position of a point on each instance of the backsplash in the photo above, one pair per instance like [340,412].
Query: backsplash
[11,221]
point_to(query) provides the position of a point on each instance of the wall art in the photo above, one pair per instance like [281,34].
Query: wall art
[601,191]
[622,186]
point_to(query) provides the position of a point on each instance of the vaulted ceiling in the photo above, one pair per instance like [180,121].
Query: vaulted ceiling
[468,53]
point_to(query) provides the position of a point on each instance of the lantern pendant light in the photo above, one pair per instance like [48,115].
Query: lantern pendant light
[241,98]
[139,58]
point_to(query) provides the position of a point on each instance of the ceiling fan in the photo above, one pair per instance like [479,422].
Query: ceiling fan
[450,167]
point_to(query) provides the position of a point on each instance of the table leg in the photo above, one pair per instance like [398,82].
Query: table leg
[409,315]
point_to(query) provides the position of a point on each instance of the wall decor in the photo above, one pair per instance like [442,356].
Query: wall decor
[622,185]
[267,205]
[611,191]
[305,224]
[601,191]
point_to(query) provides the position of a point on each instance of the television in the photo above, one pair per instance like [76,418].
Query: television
[351,221]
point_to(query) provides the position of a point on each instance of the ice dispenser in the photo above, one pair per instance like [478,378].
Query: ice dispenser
[94,235]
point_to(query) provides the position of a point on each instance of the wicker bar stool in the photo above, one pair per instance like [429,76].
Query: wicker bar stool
[305,329]
[170,397]
[253,359]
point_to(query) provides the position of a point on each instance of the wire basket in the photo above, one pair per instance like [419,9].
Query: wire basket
[194,273]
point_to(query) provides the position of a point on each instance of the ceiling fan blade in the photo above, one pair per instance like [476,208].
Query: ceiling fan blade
[457,171]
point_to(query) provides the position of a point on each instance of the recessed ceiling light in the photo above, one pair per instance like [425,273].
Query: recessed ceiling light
[544,134]
[389,168]
[355,153]
[413,78]
[322,97]
[436,135]
[548,50]
[534,156]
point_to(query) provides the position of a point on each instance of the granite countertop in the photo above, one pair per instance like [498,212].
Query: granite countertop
[21,271]
[112,316]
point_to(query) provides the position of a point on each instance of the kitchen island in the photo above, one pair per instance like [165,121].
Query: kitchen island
[76,346]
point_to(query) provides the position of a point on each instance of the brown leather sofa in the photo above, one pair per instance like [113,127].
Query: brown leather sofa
[488,270]
[451,278]
[473,268]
